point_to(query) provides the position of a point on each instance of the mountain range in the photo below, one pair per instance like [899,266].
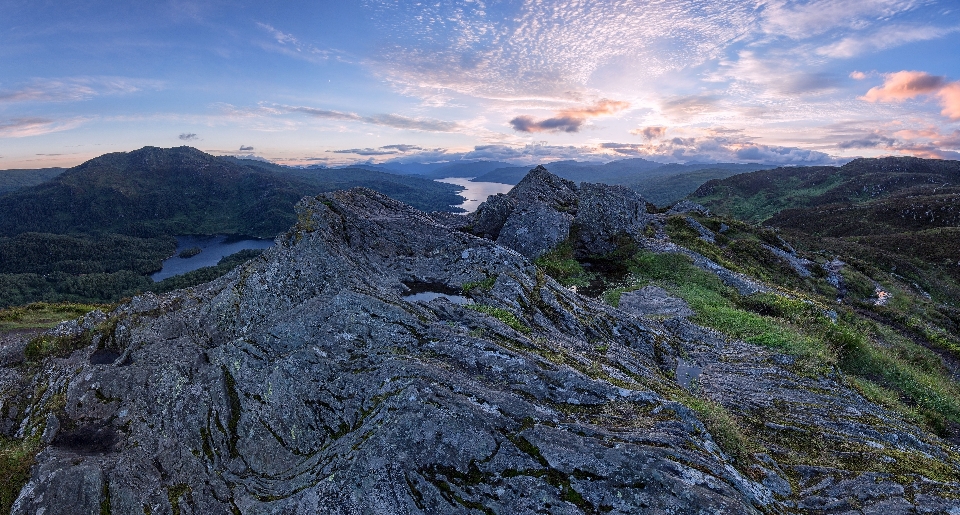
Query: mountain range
[380,359]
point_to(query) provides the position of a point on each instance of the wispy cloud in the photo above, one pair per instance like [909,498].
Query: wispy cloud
[549,48]
[800,20]
[881,39]
[290,45]
[245,148]
[188,136]
[75,89]
[387,120]
[24,127]
[569,120]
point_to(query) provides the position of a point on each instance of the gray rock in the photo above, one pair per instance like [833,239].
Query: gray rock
[533,229]
[608,214]
[653,301]
[688,206]
[705,234]
[301,382]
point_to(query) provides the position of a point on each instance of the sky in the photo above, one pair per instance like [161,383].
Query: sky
[527,81]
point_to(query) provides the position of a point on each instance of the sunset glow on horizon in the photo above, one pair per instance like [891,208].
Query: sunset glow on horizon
[524,82]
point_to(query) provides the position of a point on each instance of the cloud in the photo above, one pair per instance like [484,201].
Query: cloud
[388,120]
[24,127]
[950,100]
[871,141]
[402,147]
[686,106]
[855,75]
[244,148]
[75,89]
[569,120]
[649,133]
[365,152]
[719,149]
[886,37]
[188,136]
[291,46]
[548,49]
[386,150]
[904,85]
[804,20]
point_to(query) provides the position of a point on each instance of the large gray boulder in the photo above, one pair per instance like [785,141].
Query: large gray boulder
[607,216]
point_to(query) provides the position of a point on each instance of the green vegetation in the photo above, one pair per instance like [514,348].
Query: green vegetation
[560,264]
[42,315]
[485,284]
[16,458]
[205,274]
[872,353]
[12,180]
[93,233]
[502,315]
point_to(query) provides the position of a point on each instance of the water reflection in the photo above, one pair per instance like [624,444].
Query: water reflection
[476,192]
[212,250]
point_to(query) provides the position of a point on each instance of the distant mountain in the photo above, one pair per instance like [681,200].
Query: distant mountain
[154,191]
[15,179]
[467,169]
[899,214]
[659,183]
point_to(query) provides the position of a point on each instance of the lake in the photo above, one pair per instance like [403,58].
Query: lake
[212,250]
[475,192]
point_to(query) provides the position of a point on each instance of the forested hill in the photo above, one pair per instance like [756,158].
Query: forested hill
[894,214]
[760,195]
[155,191]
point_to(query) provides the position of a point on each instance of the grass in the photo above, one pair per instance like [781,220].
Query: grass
[883,364]
[560,264]
[43,315]
[16,458]
[502,315]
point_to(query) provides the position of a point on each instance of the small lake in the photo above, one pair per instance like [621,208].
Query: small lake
[212,250]
[475,192]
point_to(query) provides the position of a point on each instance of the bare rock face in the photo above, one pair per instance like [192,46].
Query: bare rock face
[305,382]
[309,380]
[606,214]
[539,213]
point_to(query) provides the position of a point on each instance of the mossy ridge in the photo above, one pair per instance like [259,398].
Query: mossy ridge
[44,315]
[798,326]
[16,459]
[502,315]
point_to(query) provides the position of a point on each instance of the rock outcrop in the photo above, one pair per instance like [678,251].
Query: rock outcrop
[543,211]
[308,380]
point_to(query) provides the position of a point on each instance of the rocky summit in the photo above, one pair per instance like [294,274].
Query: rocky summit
[383,360]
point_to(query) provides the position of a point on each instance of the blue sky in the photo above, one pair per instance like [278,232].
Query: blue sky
[527,81]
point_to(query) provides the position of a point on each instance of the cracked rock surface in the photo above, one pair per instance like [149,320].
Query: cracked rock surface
[305,381]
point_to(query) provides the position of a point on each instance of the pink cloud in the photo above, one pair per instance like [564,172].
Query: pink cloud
[904,85]
[569,120]
[950,100]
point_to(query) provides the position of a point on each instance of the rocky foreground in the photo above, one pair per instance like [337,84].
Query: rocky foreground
[322,378]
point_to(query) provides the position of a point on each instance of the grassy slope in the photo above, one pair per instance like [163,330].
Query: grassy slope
[897,215]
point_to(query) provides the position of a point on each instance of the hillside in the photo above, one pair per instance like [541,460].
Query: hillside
[153,191]
[661,184]
[95,232]
[15,179]
[897,215]
[383,360]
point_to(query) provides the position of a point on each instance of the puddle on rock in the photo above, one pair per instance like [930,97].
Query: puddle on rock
[427,291]
[687,372]
[427,296]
